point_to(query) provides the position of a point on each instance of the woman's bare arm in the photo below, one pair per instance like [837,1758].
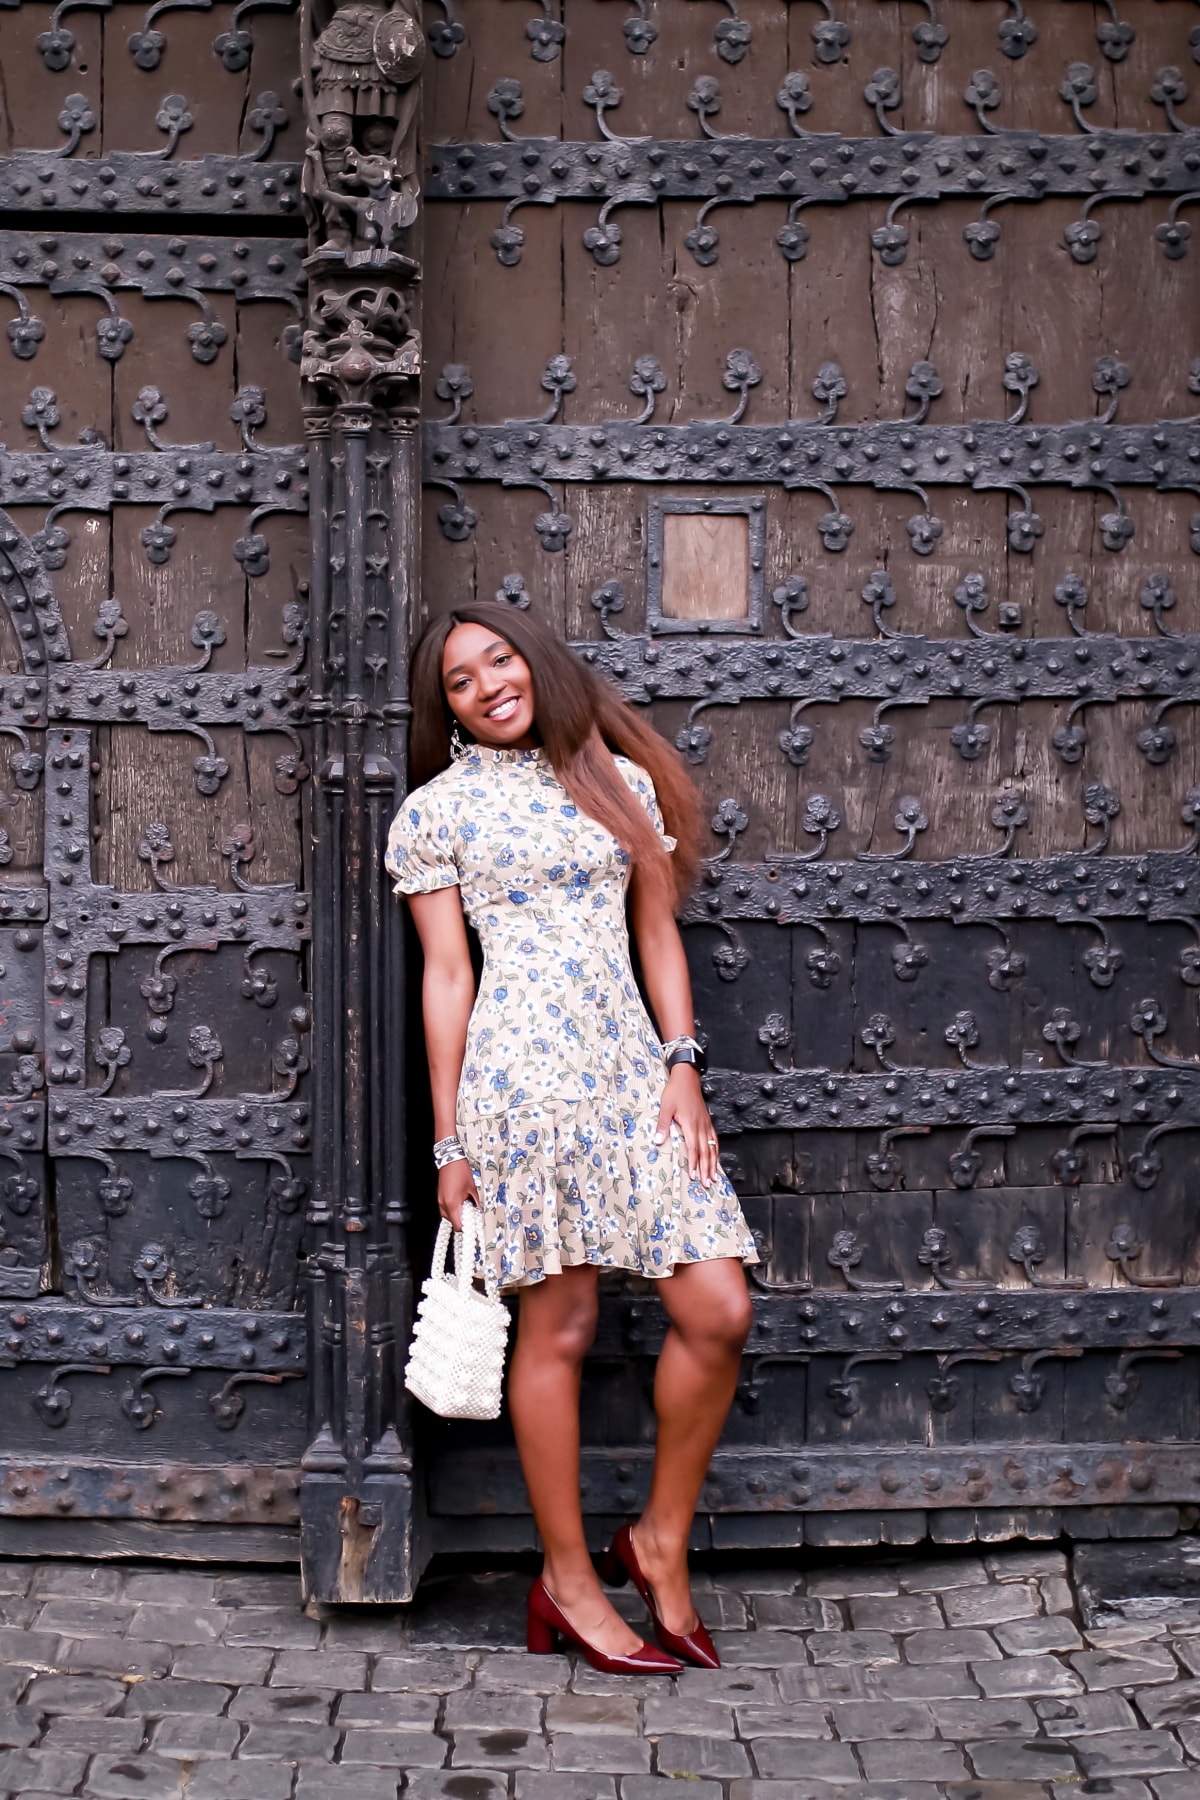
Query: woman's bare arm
[669,986]
[447,996]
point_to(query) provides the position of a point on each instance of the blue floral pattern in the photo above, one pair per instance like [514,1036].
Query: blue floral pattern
[563,1072]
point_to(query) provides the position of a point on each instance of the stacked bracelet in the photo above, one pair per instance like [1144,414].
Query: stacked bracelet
[448,1150]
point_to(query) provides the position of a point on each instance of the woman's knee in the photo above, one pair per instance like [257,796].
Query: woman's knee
[563,1322]
[720,1318]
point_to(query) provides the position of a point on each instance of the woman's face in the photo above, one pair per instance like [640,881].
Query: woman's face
[489,688]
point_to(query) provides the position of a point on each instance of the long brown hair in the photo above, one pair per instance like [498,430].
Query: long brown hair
[581,719]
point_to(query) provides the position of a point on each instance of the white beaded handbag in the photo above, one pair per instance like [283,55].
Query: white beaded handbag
[456,1360]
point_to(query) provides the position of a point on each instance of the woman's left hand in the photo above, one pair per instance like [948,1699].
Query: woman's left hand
[683,1105]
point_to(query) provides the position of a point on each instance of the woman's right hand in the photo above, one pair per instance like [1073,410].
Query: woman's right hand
[456,1184]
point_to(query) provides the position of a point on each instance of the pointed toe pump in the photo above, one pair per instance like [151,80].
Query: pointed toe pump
[547,1623]
[619,1565]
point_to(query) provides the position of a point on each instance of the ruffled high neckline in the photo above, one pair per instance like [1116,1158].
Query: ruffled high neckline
[489,753]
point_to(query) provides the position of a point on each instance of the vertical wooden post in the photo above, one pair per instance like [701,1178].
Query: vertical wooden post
[360,366]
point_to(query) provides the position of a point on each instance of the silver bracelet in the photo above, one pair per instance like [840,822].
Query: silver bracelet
[679,1043]
[448,1150]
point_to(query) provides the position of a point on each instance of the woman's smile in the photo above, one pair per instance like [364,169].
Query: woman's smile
[489,688]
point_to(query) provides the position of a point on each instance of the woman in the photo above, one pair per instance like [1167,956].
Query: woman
[584,1140]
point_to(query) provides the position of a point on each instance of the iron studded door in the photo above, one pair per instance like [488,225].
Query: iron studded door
[154,914]
[828,374]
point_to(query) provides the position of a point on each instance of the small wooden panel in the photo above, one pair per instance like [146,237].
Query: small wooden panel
[706,566]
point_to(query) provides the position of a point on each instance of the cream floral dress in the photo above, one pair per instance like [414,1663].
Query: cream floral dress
[563,1073]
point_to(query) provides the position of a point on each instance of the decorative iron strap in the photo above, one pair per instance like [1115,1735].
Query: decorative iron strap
[22,1121]
[900,668]
[819,1099]
[825,166]
[806,453]
[189,478]
[54,1331]
[971,890]
[99,263]
[254,1124]
[967,1316]
[839,1479]
[201,1493]
[125,182]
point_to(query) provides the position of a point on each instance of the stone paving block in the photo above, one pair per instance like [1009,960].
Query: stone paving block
[410,1712]
[214,1662]
[585,1712]
[795,1720]
[239,1781]
[922,1681]
[1029,1637]
[688,1756]
[318,1781]
[1177,1704]
[531,1785]
[15,1610]
[1180,1786]
[737,1686]
[20,1726]
[1189,1737]
[239,1590]
[853,1647]
[801,1789]
[159,1697]
[1121,1633]
[920,1760]
[854,1719]
[503,1671]
[1085,1713]
[344,1669]
[170,1587]
[84,1618]
[846,1583]
[962,1719]
[604,1753]
[991,1605]
[959,1646]
[193,1737]
[275,1706]
[177,1624]
[438,1672]
[795,1612]
[75,1694]
[145,1777]
[1038,1759]
[895,1612]
[395,1749]
[76,1581]
[37,1648]
[289,1743]
[1123,1787]
[777,1580]
[1188,1652]
[99,1737]
[113,1656]
[764,1649]
[649,1787]
[785,1757]
[16,1577]
[24,1771]
[1129,1753]
[504,1750]
[828,1683]
[1146,1666]
[1025,1676]
[1025,1565]
[374,1631]
[272,1628]
[1056,1595]
[469,1710]
[943,1575]
[590,1681]
[13,1682]
[722,1610]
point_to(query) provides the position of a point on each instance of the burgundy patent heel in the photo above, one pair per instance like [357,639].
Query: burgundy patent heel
[547,1621]
[618,1565]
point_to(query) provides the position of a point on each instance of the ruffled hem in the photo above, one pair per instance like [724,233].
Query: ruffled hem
[565,1183]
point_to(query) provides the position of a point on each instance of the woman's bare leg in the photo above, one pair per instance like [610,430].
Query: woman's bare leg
[710,1313]
[557,1324]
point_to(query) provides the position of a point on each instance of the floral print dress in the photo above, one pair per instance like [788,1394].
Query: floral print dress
[563,1073]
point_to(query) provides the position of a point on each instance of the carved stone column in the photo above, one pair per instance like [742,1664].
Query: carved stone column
[360,368]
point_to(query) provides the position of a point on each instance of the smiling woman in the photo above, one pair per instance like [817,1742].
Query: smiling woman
[544,805]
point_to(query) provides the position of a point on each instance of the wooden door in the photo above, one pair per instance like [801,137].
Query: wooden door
[155,1036]
[828,374]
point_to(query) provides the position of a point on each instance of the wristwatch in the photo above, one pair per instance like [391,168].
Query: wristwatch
[685,1050]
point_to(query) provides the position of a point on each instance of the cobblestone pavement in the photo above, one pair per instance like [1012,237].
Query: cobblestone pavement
[968,1676]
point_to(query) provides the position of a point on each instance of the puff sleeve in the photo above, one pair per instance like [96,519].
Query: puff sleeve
[420,847]
[643,787]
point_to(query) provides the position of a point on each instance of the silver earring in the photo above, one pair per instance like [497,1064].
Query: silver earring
[458,748]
